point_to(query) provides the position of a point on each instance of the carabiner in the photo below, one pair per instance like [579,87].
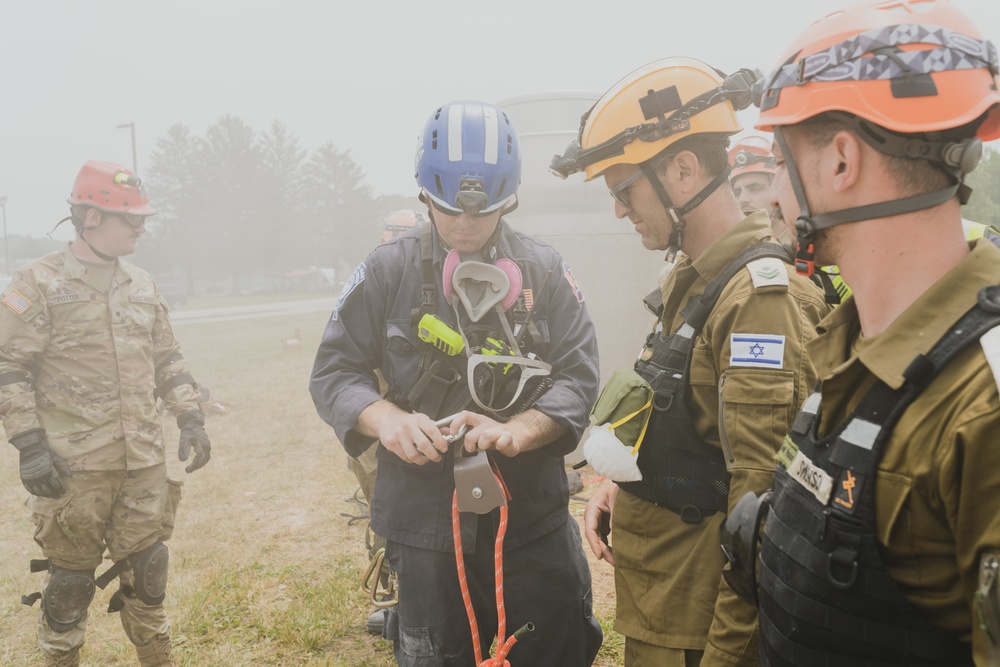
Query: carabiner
[382,598]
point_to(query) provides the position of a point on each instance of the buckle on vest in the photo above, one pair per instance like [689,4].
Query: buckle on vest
[690,514]
[842,558]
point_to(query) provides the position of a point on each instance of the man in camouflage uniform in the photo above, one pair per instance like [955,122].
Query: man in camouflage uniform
[85,350]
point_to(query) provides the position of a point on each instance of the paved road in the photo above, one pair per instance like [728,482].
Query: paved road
[246,312]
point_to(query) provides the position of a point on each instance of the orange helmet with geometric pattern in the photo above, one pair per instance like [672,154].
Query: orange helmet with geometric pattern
[906,65]
[900,74]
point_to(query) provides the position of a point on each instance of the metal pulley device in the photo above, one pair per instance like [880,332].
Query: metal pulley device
[476,484]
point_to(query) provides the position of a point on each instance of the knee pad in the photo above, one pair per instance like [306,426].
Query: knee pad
[150,569]
[67,597]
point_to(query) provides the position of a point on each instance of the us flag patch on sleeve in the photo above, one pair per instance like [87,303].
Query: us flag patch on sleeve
[15,301]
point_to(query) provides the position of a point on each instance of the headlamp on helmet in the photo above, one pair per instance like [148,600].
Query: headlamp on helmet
[752,154]
[652,108]
[110,188]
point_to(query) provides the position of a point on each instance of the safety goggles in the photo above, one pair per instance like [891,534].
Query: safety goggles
[130,219]
[620,192]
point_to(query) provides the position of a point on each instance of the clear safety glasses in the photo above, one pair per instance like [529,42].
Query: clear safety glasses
[621,192]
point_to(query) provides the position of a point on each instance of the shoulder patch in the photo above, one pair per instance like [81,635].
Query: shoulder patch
[767,271]
[756,350]
[356,279]
[572,282]
[15,301]
[990,341]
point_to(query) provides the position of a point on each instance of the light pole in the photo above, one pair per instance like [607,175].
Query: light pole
[6,246]
[135,162]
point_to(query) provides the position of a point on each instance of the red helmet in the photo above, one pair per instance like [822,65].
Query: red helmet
[906,65]
[111,188]
[751,154]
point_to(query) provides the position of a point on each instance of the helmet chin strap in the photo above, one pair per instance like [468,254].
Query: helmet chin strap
[83,228]
[806,225]
[677,213]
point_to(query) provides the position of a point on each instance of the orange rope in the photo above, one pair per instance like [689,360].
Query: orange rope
[505,644]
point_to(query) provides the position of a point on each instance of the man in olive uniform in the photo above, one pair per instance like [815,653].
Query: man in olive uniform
[86,348]
[659,139]
[884,524]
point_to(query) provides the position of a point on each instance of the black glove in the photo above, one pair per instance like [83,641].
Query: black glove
[193,436]
[41,468]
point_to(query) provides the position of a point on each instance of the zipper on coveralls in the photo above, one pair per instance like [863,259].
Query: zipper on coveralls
[723,438]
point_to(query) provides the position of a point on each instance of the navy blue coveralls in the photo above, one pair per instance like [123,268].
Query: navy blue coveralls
[546,577]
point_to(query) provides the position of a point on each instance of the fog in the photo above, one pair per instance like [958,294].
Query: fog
[361,75]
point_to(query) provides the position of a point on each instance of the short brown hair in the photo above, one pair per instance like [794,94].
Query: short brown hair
[913,175]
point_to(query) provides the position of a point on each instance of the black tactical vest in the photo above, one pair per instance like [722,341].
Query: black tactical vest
[826,598]
[680,471]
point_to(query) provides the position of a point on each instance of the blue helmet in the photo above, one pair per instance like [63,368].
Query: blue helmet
[468,159]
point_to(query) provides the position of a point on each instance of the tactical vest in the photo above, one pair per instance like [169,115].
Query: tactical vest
[680,471]
[826,598]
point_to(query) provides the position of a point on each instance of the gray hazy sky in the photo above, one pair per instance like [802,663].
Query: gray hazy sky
[364,75]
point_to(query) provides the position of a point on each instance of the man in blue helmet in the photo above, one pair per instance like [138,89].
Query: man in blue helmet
[484,339]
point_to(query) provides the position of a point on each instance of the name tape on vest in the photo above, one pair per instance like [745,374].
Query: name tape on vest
[813,479]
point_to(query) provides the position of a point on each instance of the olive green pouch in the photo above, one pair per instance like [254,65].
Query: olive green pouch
[625,404]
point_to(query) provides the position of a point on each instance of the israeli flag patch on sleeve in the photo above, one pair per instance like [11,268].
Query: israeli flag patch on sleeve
[756,350]
[356,279]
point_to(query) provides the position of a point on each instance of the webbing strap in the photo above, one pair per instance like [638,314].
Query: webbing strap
[875,584]
[176,356]
[883,406]
[166,386]
[697,309]
[428,290]
[13,377]
[885,635]
[800,656]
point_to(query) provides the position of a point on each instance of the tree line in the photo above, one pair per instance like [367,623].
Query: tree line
[240,202]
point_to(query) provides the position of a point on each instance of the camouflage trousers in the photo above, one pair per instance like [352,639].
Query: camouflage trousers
[120,511]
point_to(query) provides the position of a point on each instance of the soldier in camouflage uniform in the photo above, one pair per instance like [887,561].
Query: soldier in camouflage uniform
[86,348]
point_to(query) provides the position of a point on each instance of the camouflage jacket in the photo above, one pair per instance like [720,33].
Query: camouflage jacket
[85,364]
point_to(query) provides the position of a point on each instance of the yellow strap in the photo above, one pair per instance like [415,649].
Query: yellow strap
[642,434]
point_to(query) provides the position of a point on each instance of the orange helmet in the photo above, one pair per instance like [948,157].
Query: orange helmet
[751,154]
[111,188]
[906,65]
[401,221]
[652,108]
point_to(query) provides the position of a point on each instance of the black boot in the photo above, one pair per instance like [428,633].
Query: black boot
[376,622]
